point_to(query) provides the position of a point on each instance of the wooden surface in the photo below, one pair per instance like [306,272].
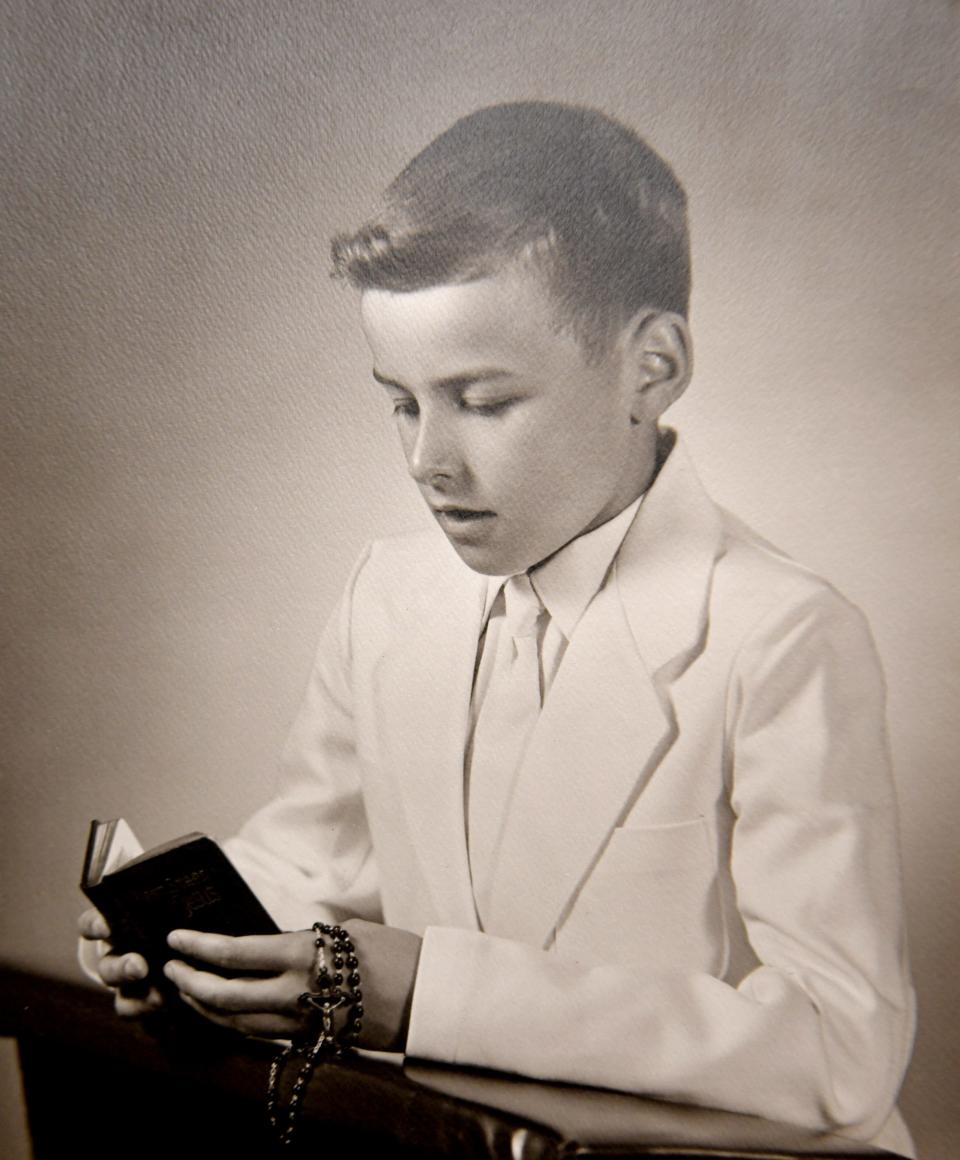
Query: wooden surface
[183,1091]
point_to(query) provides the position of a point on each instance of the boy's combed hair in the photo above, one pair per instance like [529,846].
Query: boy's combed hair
[599,215]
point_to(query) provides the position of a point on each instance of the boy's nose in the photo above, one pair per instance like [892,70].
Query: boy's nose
[431,454]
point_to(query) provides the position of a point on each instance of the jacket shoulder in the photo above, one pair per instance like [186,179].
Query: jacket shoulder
[758,580]
[408,572]
[411,557]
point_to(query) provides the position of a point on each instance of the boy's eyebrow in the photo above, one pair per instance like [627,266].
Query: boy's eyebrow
[452,382]
[385,382]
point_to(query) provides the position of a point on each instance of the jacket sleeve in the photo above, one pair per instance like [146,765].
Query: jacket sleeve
[819,1033]
[308,853]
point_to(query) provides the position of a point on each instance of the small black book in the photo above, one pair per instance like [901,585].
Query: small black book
[187,883]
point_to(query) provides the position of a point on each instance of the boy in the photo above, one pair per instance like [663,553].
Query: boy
[602,794]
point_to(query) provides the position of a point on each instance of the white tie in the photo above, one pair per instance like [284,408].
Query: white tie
[506,719]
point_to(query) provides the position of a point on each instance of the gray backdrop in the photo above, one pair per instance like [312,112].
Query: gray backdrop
[193,453]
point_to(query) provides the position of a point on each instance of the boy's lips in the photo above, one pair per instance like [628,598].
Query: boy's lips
[454,518]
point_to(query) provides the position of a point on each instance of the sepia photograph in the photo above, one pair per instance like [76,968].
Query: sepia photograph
[480,577]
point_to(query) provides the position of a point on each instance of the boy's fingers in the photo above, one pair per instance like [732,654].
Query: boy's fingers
[268,1024]
[93,925]
[111,968]
[252,952]
[115,970]
[129,1007]
[274,994]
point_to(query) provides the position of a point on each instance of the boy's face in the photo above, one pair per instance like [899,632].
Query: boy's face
[517,443]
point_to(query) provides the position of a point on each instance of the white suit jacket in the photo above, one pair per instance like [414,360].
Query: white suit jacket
[699,893]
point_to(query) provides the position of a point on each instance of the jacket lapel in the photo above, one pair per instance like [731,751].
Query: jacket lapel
[608,720]
[425,680]
[664,569]
[600,726]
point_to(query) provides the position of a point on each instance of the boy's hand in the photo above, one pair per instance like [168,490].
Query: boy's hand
[388,958]
[125,975]
[265,1002]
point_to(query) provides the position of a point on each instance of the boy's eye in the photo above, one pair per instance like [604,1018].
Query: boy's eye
[405,407]
[486,406]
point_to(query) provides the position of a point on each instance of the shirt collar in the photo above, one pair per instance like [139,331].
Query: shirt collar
[569,580]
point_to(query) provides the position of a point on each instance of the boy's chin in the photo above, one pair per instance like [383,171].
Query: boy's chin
[484,560]
[478,561]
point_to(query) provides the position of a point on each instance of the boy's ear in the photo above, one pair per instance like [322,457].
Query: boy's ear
[658,361]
